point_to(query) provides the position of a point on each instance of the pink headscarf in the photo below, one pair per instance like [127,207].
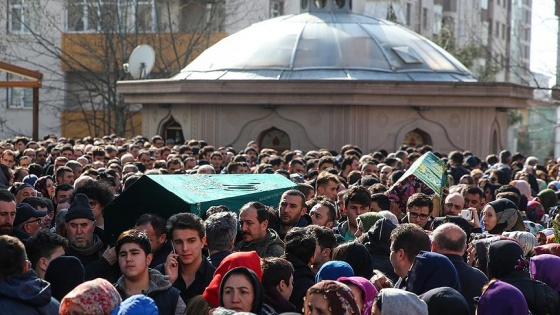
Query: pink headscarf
[523,187]
[95,297]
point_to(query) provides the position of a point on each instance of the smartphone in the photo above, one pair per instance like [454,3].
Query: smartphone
[466,214]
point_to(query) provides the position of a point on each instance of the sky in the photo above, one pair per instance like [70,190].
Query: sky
[544,28]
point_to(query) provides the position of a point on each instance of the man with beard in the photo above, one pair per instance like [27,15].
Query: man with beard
[86,245]
[135,255]
[253,222]
[293,212]
[7,212]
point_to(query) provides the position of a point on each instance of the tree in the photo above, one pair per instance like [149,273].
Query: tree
[82,51]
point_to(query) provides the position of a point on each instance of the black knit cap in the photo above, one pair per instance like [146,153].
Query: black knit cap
[80,209]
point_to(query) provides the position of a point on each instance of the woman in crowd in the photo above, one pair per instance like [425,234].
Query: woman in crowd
[241,291]
[330,298]
[499,216]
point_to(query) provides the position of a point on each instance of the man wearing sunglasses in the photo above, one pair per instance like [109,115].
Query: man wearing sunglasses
[28,221]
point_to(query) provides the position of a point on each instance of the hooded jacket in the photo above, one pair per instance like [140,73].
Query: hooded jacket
[269,246]
[26,294]
[304,278]
[166,297]
[379,246]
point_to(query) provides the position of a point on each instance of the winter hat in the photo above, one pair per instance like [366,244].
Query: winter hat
[138,304]
[239,259]
[97,297]
[25,211]
[57,274]
[339,297]
[30,179]
[502,298]
[333,270]
[398,302]
[444,301]
[80,209]
[369,292]
[545,268]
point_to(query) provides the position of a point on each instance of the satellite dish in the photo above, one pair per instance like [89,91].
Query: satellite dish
[141,61]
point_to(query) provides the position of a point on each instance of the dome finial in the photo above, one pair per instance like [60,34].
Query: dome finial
[313,6]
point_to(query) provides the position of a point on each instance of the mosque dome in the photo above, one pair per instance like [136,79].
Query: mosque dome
[326,42]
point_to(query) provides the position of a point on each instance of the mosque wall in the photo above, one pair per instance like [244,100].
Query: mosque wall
[312,127]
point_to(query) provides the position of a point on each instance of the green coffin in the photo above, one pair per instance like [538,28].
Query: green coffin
[170,194]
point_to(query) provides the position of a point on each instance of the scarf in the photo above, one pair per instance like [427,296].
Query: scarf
[94,248]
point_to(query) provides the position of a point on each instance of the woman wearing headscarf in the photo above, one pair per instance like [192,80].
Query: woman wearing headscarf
[524,188]
[499,216]
[379,246]
[45,186]
[357,256]
[445,301]
[398,302]
[365,221]
[241,291]
[500,298]
[239,259]
[330,298]
[95,297]
[549,201]
[507,263]
[545,268]
[430,271]
[363,290]
[526,240]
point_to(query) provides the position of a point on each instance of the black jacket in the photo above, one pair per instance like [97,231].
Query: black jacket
[472,280]
[379,246]
[304,278]
[541,299]
[26,294]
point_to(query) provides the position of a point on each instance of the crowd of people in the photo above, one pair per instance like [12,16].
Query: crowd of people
[353,237]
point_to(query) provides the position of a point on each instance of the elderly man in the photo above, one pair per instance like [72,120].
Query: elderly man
[28,221]
[85,245]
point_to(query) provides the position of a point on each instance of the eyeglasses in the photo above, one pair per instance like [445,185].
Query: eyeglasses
[414,215]
[450,205]
[39,221]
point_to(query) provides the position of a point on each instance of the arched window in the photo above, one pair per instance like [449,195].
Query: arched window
[417,138]
[274,138]
[171,129]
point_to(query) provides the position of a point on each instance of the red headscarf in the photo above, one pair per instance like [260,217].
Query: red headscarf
[240,259]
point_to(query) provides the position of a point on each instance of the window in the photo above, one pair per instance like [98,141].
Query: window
[425,18]
[24,16]
[408,14]
[107,15]
[19,97]
[276,8]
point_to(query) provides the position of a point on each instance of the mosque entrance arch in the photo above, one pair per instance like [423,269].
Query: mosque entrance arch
[274,138]
[171,129]
[417,138]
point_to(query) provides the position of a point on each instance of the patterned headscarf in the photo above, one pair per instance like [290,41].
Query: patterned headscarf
[338,295]
[369,292]
[96,297]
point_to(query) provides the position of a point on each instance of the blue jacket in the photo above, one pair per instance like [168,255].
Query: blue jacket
[26,294]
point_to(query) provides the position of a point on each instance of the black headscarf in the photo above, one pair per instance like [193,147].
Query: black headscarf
[357,256]
[505,257]
[445,301]
[379,238]
[257,287]
[506,215]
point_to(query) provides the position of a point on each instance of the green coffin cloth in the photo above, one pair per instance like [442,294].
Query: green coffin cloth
[169,194]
